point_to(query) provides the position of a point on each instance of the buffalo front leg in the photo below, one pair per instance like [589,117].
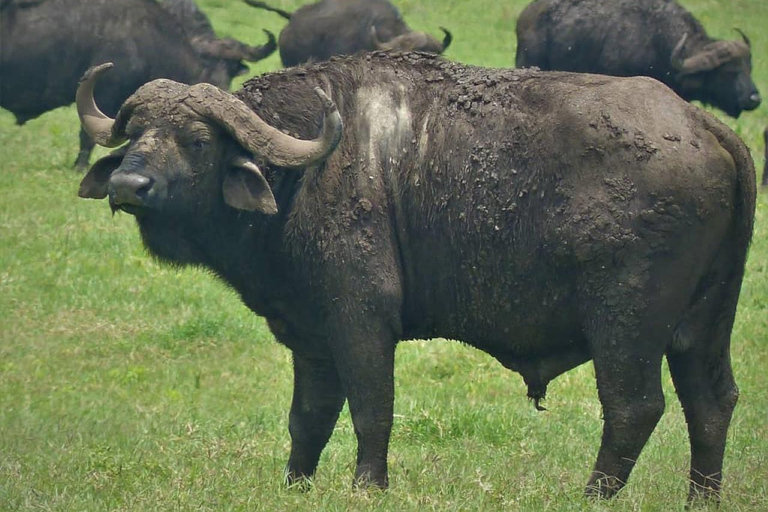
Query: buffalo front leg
[317,400]
[708,394]
[365,362]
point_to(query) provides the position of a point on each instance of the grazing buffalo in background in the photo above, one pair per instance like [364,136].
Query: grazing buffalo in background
[545,218]
[656,38]
[47,45]
[199,32]
[342,27]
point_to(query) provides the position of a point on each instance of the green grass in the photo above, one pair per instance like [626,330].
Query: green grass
[125,385]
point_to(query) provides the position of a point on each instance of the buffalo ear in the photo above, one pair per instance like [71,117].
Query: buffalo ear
[245,188]
[94,185]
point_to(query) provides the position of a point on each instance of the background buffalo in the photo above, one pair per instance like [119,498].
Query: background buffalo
[342,27]
[656,38]
[201,35]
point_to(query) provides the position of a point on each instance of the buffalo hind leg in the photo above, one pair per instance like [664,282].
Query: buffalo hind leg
[633,402]
[700,365]
[708,394]
[626,340]
[317,400]
[86,147]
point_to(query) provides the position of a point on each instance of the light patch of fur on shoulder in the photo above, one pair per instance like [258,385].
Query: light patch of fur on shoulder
[387,115]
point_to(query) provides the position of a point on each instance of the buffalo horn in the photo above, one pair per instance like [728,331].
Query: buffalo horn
[744,37]
[95,123]
[713,55]
[255,53]
[232,49]
[677,54]
[255,135]
[447,39]
[377,45]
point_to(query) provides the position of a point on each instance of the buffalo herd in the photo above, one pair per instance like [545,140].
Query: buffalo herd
[47,45]
[576,209]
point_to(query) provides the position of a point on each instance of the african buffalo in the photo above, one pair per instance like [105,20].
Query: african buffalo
[343,27]
[47,45]
[656,38]
[545,218]
[200,33]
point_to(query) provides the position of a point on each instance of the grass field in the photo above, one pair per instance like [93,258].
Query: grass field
[125,385]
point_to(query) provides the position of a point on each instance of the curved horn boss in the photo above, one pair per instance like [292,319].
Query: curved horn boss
[234,116]
[258,137]
[232,49]
[711,56]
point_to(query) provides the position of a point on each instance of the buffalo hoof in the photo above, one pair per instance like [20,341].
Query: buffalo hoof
[368,482]
[603,488]
[703,495]
[81,163]
[301,483]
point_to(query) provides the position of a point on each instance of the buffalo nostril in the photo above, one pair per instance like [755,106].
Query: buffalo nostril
[126,188]
[143,191]
[752,102]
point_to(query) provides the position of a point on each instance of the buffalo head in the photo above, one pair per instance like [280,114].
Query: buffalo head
[718,73]
[413,41]
[192,150]
[224,57]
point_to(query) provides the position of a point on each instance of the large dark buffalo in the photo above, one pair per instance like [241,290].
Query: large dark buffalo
[656,38]
[46,46]
[343,27]
[545,218]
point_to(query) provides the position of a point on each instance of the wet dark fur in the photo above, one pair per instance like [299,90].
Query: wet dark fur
[545,218]
[628,38]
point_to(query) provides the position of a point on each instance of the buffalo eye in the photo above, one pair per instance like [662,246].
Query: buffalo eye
[197,136]
[134,132]
[135,128]
[195,141]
